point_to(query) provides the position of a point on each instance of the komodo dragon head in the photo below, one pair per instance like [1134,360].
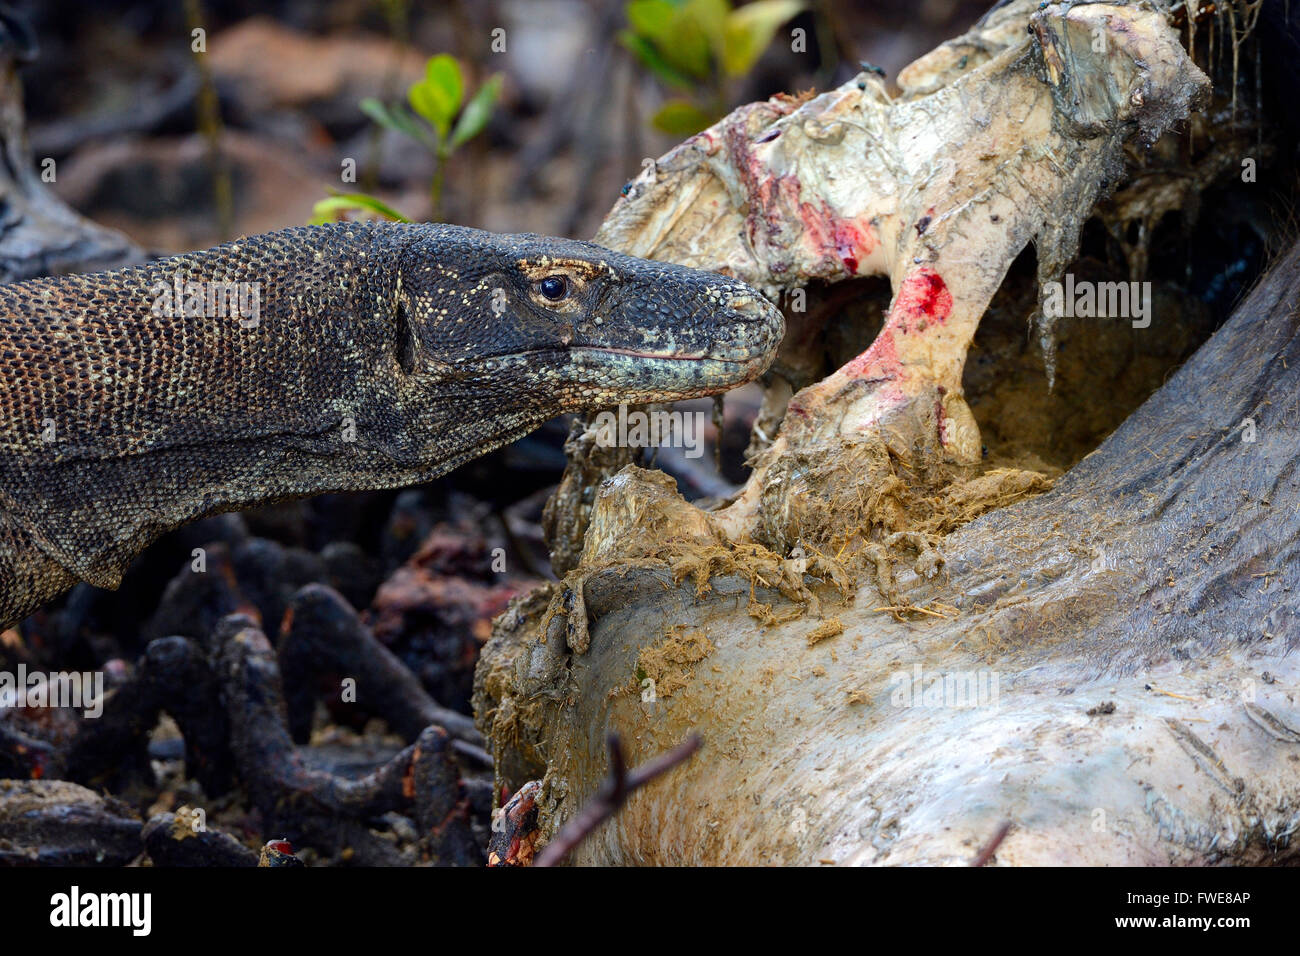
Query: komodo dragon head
[586,325]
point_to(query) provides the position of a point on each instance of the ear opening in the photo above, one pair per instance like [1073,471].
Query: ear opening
[405,335]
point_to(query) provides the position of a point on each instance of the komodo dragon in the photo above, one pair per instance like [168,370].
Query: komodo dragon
[320,359]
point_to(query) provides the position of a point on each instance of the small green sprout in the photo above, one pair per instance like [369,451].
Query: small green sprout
[435,115]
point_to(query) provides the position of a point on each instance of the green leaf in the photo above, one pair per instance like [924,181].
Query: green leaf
[438,96]
[652,19]
[749,31]
[681,118]
[651,59]
[433,108]
[674,32]
[411,125]
[426,103]
[711,15]
[332,208]
[378,112]
[687,46]
[442,72]
[477,112]
[401,119]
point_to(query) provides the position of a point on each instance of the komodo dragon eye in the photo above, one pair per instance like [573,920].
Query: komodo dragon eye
[554,288]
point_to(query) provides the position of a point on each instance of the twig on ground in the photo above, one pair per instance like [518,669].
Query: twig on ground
[986,854]
[612,794]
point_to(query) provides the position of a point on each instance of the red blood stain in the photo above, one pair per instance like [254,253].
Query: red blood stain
[818,223]
[852,243]
[923,297]
[830,235]
[764,190]
[776,201]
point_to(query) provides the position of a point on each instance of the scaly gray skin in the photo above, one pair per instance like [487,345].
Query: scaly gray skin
[435,343]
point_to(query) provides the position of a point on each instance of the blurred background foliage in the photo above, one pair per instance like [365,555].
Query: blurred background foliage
[702,47]
[511,115]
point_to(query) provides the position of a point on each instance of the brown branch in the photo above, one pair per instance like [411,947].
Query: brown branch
[618,786]
[986,854]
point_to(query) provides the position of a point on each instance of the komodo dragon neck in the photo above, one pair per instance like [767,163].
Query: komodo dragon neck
[320,359]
